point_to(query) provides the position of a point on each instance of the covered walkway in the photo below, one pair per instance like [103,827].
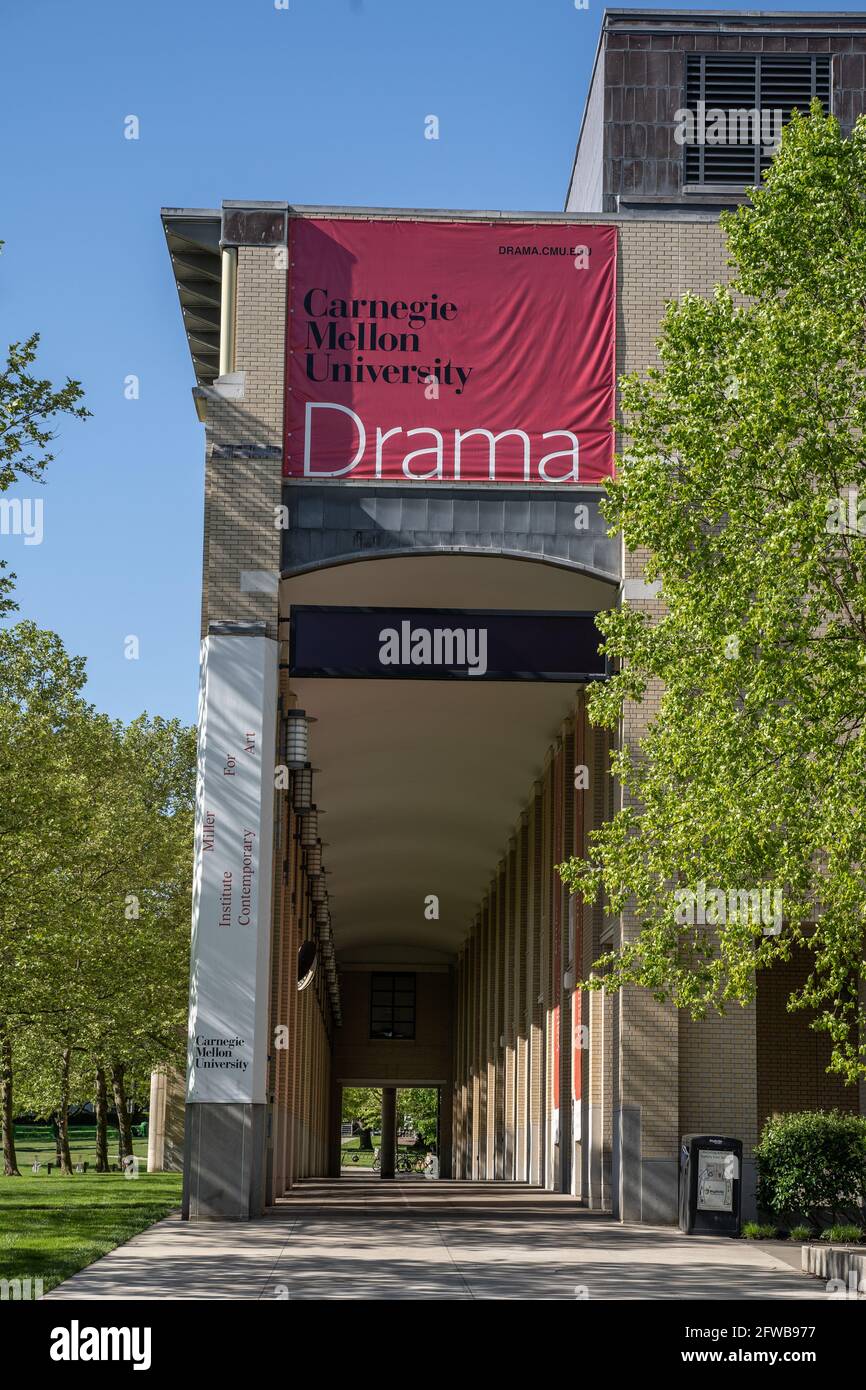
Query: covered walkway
[362,1238]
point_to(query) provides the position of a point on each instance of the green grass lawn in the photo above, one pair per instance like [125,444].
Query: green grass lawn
[50,1227]
[37,1141]
[350,1152]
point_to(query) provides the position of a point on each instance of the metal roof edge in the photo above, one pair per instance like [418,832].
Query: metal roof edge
[598,51]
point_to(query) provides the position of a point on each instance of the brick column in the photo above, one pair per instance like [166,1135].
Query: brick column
[225,1162]
[521,1012]
[499,1041]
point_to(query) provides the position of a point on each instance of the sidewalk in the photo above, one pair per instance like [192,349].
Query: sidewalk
[360,1238]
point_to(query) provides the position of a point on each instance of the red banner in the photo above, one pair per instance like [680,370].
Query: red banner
[450,352]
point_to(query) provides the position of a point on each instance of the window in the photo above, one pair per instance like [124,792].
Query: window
[392,1006]
[737,84]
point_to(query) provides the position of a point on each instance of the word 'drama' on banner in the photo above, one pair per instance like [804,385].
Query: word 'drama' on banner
[450,352]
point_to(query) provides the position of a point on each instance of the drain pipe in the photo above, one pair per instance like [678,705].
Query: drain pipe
[228,304]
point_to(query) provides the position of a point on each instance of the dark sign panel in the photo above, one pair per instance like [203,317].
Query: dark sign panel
[444,644]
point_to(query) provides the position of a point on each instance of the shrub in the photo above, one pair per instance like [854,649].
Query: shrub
[812,1164]
[843,1235]
[800,1233]
[753,1230]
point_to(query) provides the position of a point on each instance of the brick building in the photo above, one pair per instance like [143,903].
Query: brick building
[421,866]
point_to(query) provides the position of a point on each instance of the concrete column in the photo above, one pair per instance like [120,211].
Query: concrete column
[165,1123]
[535,995]
[299,908]
[335,1147]
[499,1021]
[227,1069]
[491,1036]
[598,1093]
[446,1138]
[458,1091]
[304,1086]
[465,1169]
[389,1131]
[563,830]
[480,1080]
[276,1177]
[645,1139]
[594,1108]
[548,970]
[485,1090]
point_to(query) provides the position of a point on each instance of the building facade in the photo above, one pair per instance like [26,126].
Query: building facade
[405,831]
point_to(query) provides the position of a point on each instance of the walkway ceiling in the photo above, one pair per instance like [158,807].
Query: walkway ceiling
[421,783]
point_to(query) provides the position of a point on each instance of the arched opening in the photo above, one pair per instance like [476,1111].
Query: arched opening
[421,786]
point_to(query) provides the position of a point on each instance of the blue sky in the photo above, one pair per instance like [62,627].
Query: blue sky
[321,103]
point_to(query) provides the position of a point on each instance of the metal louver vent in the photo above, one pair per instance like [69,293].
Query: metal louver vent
[739,84]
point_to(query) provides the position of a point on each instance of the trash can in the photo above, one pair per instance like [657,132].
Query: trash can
[710,1172]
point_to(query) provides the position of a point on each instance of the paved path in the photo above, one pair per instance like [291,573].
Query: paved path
[362,1238]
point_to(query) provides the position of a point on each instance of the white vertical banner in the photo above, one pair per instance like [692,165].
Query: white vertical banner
[232,886]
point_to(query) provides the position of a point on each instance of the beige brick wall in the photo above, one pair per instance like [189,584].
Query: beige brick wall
[718,1089]
[716,1061]
[241,494]
[791,1058]
[358,1058]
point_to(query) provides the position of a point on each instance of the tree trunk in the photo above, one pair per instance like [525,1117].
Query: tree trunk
[365,1137]
[124,1128]
[7,1117]
[55,1130]
[63,1154]
[101,1122]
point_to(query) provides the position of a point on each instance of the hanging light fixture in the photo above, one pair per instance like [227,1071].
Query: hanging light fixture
[307,961]
[309,827]
[297,738]
[323,916]
[318,891]
[314,859]
[302,789]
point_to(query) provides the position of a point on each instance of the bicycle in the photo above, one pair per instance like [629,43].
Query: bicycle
[410,1161]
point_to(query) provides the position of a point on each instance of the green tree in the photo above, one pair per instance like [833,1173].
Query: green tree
[29,408]
[94,904]
[362,1105]
[744,449]
[145,907]
[39,694]
[418,1110]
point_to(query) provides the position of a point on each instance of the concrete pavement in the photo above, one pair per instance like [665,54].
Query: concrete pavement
[361,1238]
